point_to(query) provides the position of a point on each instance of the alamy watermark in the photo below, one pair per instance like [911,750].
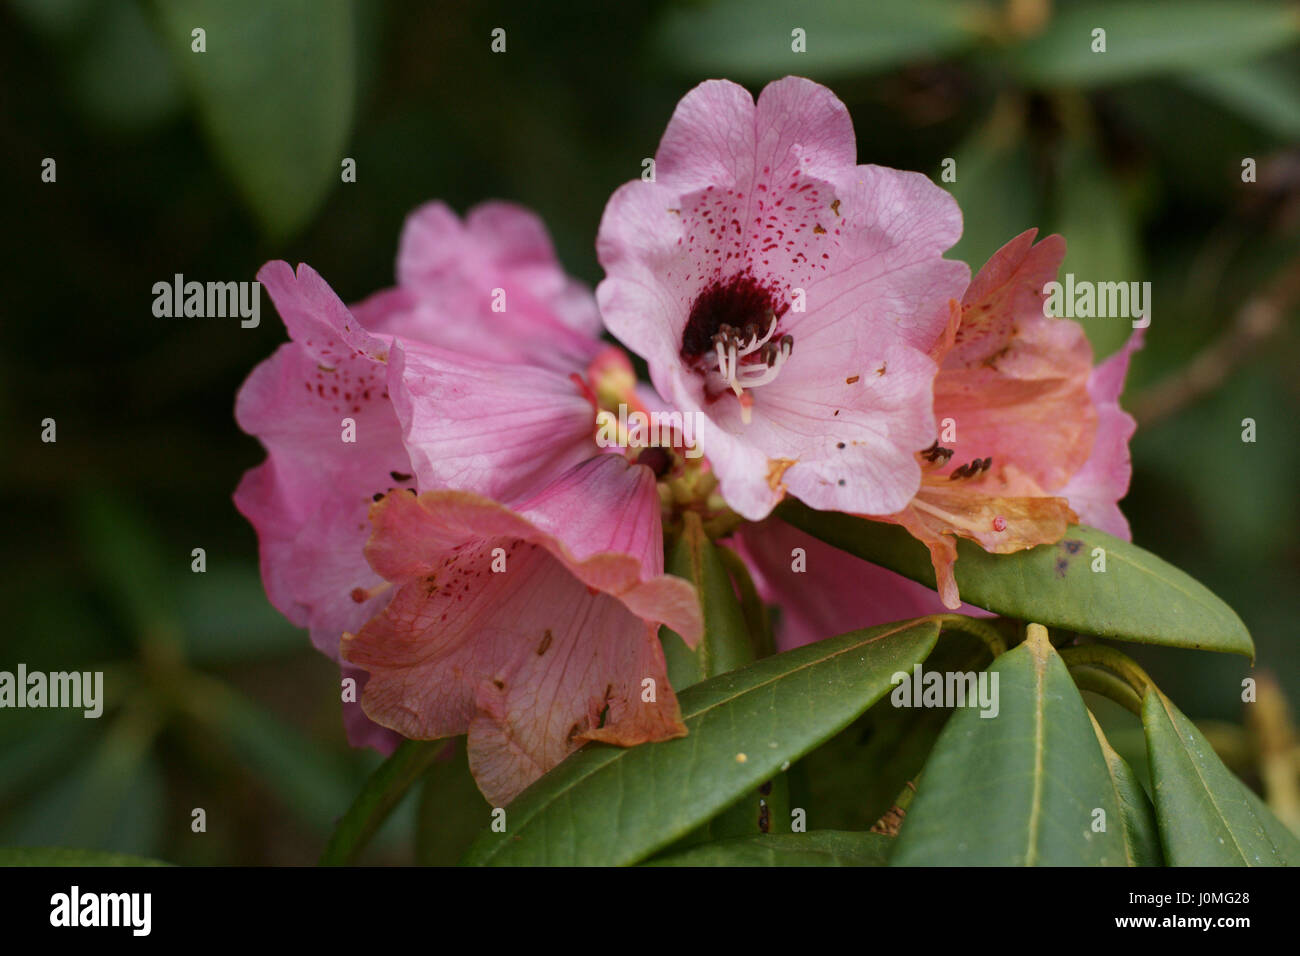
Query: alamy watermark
[211,300]
[638,429]
[946,689]
[1102,300]
[83,691]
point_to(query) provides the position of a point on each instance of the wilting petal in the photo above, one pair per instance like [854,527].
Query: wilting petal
[1096,488]
[1015,382]
[1000,517]
[534,659]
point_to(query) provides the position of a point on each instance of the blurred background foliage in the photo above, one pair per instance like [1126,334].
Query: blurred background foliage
[170,161]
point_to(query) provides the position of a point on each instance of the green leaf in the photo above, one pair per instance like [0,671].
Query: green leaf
[1145,37]
[605,805]
[1207,816]
[274,92]
[752,39]
[1021,788]
[818,848]
[853,778]
[377,799]
[1141,835]
[726,644]
[450,813]
[1137,598]
[65,856]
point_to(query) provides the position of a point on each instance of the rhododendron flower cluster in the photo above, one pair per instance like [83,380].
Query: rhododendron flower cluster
[435,506]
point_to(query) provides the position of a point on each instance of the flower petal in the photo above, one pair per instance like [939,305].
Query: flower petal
[501,430]
[834,593]
[1014,384]
[1096,488]
[528,643]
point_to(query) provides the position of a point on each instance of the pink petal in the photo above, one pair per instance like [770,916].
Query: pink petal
[456,270]
[501,430]
[311,531]
[526,660]
[837,592]
[1015,382]
[1095,490]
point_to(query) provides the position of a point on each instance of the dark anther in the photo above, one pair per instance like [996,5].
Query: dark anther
[937,453]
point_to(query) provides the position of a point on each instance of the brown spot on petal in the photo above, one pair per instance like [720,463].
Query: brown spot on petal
[776,469]
[852,379]
[835,207]
[546,642]
[819,230]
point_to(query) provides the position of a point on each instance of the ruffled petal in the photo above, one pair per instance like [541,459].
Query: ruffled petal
[528,642]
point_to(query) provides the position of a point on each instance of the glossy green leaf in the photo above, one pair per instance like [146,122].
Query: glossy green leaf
[1019,789]
[852,779]
[1207,816]
[65,856]
[1141,835]
[817,848]
[274,92]
[1137,598]
[377,799]
[753,39]
[1149,36]
[606,805]
[726,644]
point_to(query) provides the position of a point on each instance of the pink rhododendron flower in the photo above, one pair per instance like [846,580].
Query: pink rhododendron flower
[489,287]
[1020,390]
[1095,489]
[1015,385]
[555,645]
[375,365]
[786,294]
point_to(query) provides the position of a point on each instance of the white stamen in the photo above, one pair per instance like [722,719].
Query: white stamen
[755,343]
[756,375]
